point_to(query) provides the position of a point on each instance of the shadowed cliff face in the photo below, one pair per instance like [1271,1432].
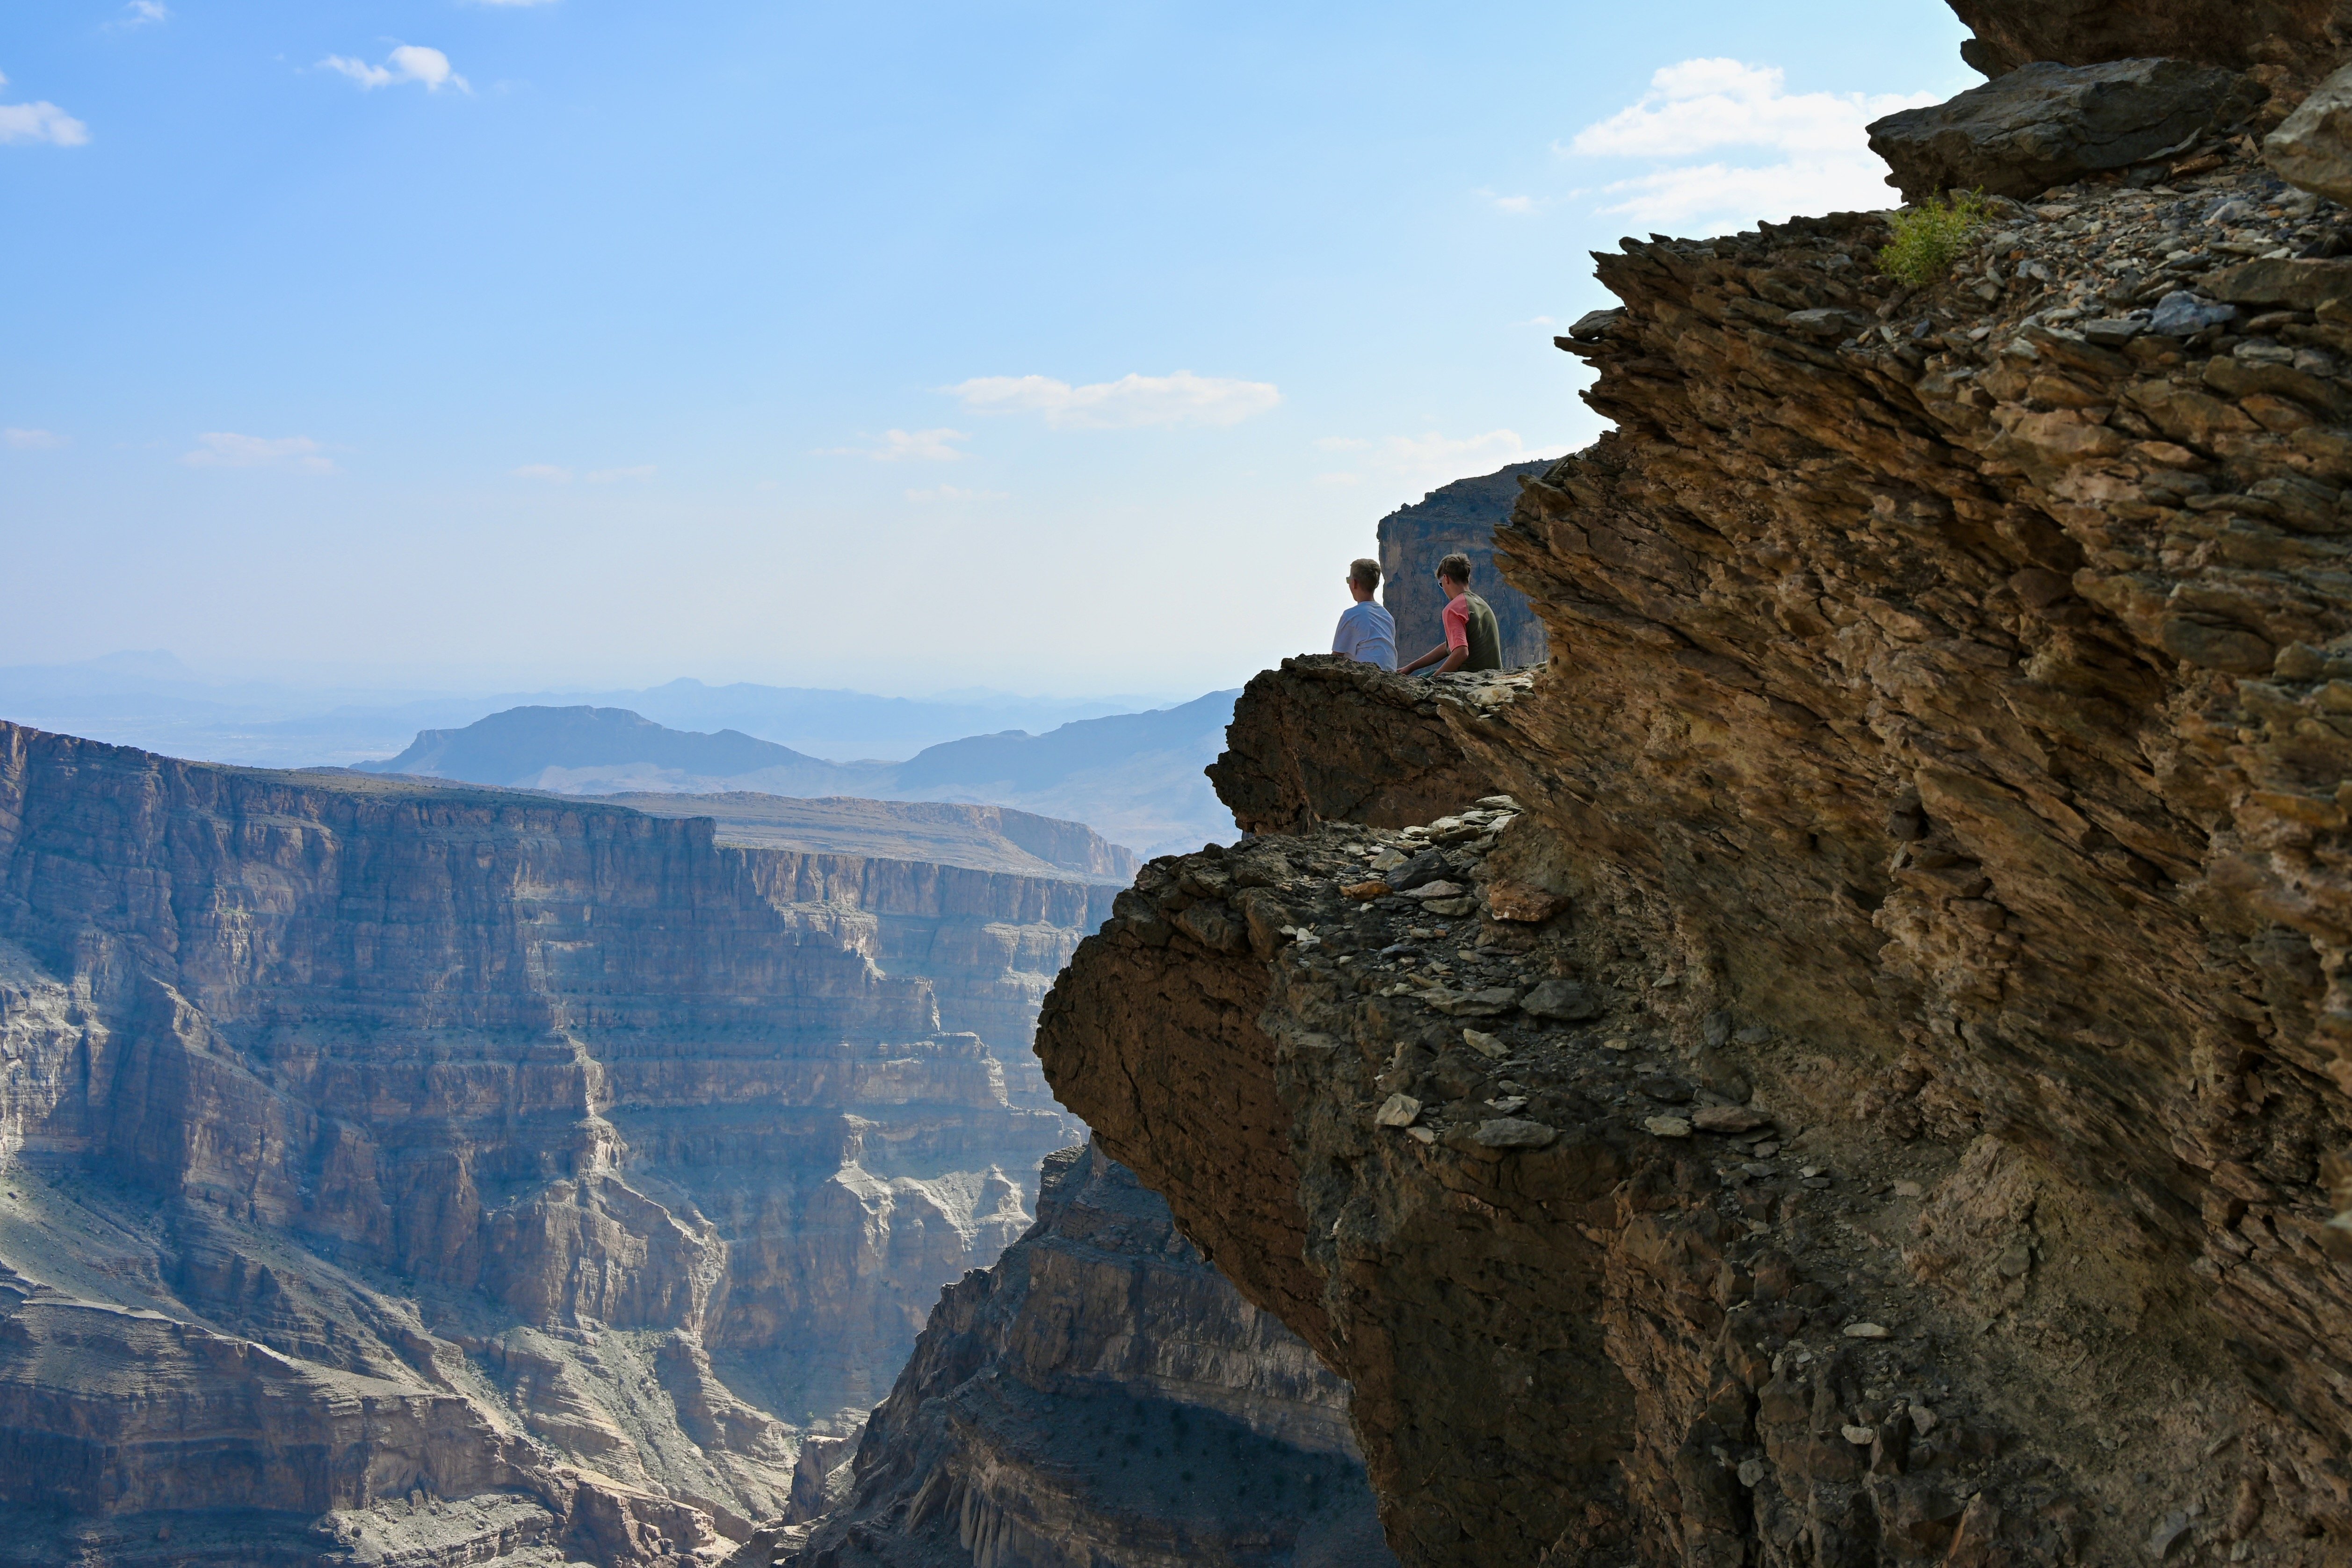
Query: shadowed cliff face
[1101,1396]
[1874,1088]
[365,1140]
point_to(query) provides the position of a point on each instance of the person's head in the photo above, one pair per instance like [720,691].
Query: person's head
[1453,574]
[1363,577]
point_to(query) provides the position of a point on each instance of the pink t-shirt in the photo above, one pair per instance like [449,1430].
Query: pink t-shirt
[1458,622]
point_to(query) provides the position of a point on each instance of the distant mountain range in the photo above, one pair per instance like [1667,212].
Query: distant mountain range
[1135,779]
[153,701]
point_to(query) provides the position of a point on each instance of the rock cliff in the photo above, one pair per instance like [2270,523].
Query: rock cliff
[1462,516]
[1101,1399]
[1871,1080]
[398,1172]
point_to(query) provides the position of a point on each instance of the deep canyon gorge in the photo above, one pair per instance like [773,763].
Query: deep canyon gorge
[1847,1064]
[397,1169]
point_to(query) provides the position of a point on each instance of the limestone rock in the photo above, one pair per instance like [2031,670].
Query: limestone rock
[2045,125]
[1906,764]
[2313,146]
[1382,754]
[1101,1396]
[2302,39]
[484,1174]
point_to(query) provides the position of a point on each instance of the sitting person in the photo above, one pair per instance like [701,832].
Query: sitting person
[1472,640]
[1366,632]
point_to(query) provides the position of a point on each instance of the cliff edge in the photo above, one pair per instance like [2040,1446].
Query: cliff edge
[1869,1077]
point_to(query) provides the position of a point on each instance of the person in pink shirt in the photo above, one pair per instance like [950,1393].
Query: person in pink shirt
[1472,641]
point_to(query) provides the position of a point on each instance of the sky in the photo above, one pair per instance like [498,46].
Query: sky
[1051,348]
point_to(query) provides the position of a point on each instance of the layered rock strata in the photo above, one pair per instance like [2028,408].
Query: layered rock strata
[1101,1399]
[1882,1095]
[1461,517]
[413,1174]
[2293,41]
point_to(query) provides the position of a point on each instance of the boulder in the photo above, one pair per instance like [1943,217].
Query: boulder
[2303,39]
[2312,148]
[2045,125]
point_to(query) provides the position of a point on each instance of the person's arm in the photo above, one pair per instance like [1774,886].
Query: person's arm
[1431,657]
[1455,659]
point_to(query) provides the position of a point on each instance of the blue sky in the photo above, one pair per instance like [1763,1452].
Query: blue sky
[1061,348]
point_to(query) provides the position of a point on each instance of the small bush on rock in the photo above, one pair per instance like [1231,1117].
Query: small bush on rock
[1928,237]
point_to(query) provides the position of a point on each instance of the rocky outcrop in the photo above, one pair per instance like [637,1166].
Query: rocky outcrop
[2293,40]
[1101,1397]
[1881,1095]
[2312,148]
[1333,737]
[2046,124]
[1460,516]
[414,1171]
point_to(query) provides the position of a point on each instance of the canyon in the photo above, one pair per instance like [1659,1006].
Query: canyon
[1102,1395]
[1848,1063]
[400,1172]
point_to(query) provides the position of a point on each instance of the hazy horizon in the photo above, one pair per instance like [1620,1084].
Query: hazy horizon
[1049,350]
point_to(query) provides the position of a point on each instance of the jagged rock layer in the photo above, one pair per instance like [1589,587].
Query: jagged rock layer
[1101,1399]
[1908,1125]
[2301,40]
[433,1173]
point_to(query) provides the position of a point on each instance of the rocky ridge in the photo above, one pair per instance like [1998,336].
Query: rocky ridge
[1882,1093]
[1100,1396]
[406,1174]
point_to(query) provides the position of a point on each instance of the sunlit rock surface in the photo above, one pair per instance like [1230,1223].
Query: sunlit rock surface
[389,1166]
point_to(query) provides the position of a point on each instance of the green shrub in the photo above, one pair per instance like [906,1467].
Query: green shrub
[1928,237]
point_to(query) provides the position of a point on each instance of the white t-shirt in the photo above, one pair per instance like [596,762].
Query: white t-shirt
[1368,633]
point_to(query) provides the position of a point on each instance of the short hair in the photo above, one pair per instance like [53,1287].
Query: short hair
[1365,573]
[1458,567]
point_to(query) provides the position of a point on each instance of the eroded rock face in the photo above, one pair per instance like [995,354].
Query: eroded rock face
[1461,517]
[2304,39]
[369,1142]
[1335,737]
[1882,1095]
[2313,146]
[2046,124]
[1100,1396]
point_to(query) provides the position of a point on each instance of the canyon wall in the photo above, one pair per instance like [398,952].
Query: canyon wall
[1461,517]
[1866,1082]
[408,1173]
[1101,1399]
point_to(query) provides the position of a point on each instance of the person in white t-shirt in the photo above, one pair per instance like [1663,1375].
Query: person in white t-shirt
[1366,631]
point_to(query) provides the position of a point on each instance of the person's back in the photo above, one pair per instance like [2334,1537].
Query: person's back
[1485,636]
[1473,640]
[1367,633]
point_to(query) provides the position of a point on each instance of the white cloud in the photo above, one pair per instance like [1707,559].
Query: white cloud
[1340,443]
[30,440]
[907,446]
[1517,207]
[1823,158]
[221,449]
[617,476]
[40,122]
[952,493]
[143,12]
[409,62]
[1130,401]
[1337,479]
[547,471]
